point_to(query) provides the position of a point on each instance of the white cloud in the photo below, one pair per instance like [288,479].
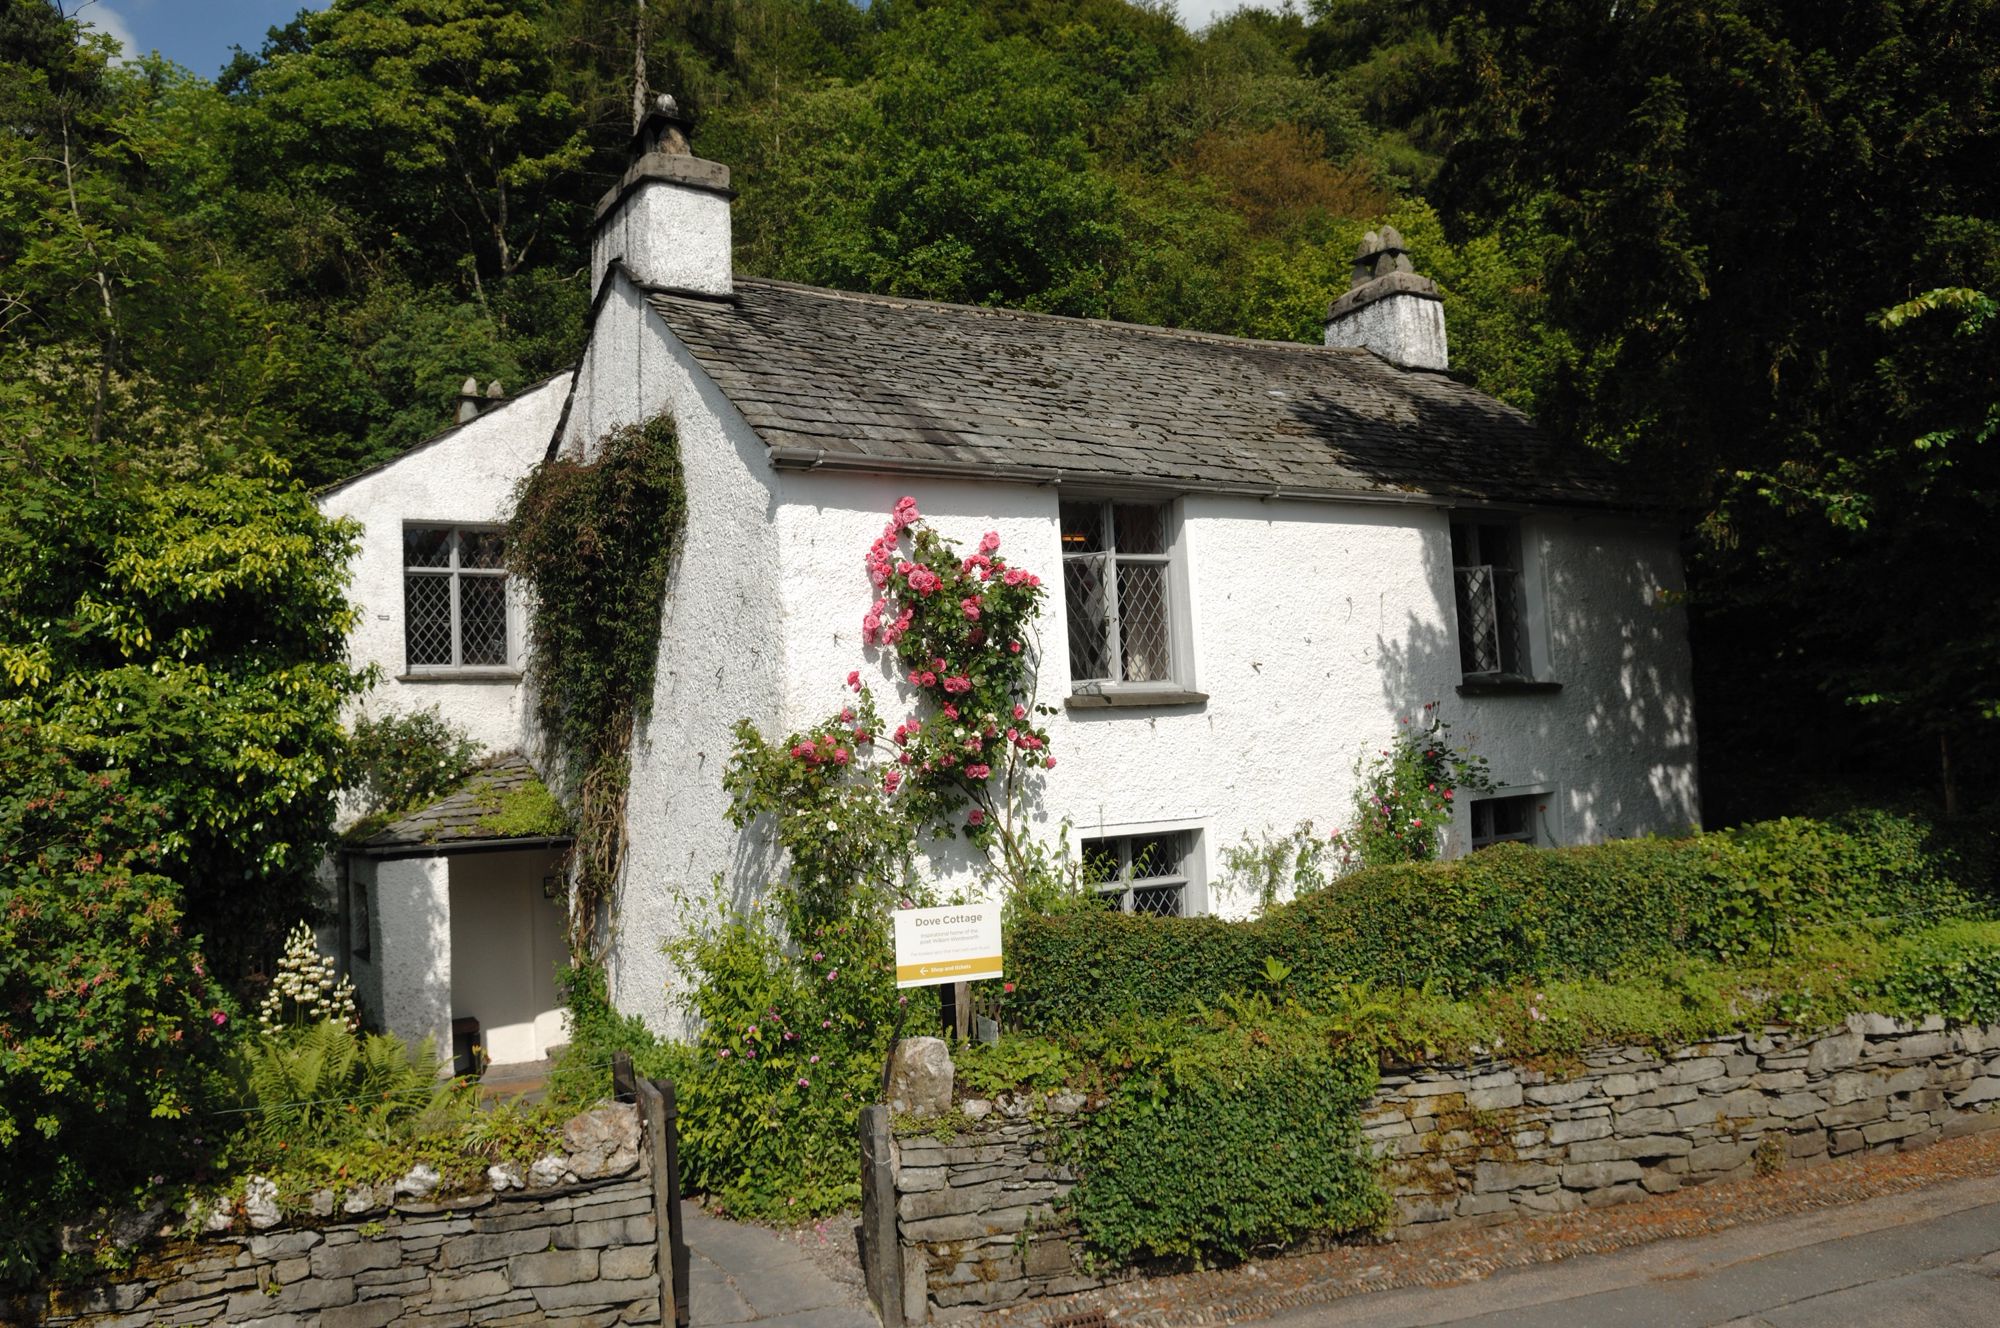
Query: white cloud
[109,22]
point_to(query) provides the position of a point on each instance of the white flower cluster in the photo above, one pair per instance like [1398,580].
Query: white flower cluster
[306,983]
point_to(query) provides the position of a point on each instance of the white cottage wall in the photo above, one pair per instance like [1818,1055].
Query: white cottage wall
[465,476]
[1317,628]
[412,948]
[721,645]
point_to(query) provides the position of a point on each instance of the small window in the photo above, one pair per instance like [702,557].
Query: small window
[1118,591]
[1497,820]
[1142,873]
[1486,575]
[454,598]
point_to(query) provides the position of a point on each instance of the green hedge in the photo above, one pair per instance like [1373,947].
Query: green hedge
[1225,1140]
[1507,914]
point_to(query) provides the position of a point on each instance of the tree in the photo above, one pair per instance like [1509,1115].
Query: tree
[1733,193]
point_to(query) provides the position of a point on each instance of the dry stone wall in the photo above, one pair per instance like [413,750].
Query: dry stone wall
[574,1241]
[956,1225]
[1491,1142]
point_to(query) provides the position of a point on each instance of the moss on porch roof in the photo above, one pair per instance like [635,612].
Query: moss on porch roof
[504,801]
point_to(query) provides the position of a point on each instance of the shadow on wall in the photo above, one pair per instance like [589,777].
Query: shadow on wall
[1618,741]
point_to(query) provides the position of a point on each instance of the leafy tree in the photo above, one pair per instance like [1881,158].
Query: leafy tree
[1732,194]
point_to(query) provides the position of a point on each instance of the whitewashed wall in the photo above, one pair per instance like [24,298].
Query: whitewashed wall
[720,644]
[465,476]
[1317,628]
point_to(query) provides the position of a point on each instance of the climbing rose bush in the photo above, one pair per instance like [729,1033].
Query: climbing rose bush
[1403,795]
[961,630]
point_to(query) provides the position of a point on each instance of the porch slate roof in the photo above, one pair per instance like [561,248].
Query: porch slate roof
[464,817]
[877,383]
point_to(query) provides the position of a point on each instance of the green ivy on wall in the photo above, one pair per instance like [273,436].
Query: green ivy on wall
[594,540]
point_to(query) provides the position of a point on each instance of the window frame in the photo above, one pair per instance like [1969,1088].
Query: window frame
[454,573]
[1542,831]
[1177,687]
[1190,876]
[1526,600]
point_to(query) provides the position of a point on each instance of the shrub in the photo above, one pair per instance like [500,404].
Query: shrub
[108,1011]
[792,1045]
[405,761]
[1505,915]
[1954,971]
[1403,795]
[1226,1139]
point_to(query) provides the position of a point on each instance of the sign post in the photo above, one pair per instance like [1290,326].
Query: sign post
[949,947]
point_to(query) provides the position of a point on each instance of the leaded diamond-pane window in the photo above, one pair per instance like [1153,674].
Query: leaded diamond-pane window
[454,598]
[1117,591]
[1142,873]
[1486,577]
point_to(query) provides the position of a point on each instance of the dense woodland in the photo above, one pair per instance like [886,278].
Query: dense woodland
[1673,231]
[1751,247]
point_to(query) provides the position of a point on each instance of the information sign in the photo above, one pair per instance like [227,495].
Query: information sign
[960,943]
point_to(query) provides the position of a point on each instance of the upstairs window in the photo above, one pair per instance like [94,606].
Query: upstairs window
[1142,873]
[1498,820]
[1118,591]
[454,599]
[1486,577]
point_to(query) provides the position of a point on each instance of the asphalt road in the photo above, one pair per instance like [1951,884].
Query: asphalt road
[1929,1259]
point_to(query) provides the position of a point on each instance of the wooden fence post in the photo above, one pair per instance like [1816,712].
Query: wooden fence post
[658,1111]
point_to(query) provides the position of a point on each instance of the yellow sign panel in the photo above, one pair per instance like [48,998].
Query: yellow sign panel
[959,943]
[955,970]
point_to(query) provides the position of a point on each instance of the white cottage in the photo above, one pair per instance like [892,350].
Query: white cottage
[1267,554]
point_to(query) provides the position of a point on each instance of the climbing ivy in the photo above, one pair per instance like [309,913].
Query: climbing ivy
[593,540]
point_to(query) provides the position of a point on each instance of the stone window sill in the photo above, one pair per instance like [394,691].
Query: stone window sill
[462,675]
[1103,696]
[1501,684]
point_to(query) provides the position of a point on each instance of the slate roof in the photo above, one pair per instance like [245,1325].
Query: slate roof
[459,818]
[878,383]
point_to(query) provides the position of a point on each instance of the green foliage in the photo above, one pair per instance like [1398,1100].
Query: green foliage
[188,626]
[326,1084]
[1403,795]
[527,811]
[1953,971]
[594,541]
[406,760]
[1271,870]
[795,1032]
[1222,1140]
[108,1010]
[1507,915]
[1712,181]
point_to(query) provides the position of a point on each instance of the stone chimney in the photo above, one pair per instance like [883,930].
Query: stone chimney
[1388,308]
[668,219]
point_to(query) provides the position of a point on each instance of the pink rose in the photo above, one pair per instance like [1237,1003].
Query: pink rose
[975,817]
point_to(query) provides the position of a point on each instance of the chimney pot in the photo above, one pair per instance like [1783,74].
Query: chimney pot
[468,400]
[493,391]
[1388,308]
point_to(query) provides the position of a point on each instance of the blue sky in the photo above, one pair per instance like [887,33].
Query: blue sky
[195,33]
[199,33]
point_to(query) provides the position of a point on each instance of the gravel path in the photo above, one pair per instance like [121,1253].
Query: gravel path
[1261,1288]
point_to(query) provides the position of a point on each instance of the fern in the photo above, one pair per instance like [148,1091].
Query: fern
[326,1084]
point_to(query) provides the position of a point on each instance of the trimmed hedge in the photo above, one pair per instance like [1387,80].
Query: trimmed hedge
[1227,1140]
[1508,914]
